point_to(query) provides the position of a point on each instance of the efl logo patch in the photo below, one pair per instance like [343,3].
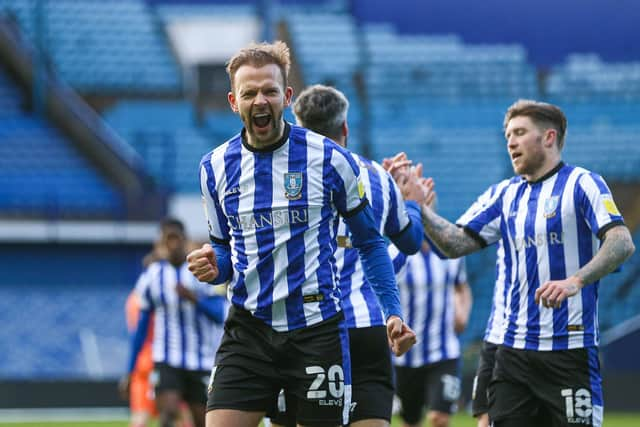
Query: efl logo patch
[610,205]
[293,185]
[360,188]
[550,206]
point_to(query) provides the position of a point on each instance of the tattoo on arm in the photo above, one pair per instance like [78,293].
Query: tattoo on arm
[616,248]
[450,239]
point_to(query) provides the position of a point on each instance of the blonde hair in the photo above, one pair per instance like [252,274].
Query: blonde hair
[259,55]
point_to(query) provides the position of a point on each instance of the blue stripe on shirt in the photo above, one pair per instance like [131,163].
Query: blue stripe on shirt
[531,259]
[263,201]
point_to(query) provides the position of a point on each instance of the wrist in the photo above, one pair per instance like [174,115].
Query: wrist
[578,281]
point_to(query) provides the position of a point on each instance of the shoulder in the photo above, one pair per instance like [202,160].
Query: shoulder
[217,154]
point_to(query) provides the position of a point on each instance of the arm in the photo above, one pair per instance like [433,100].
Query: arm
[211,306]
[450,239]
[375,260]
[616,248]
[462,302]
[410,238]
[137,339]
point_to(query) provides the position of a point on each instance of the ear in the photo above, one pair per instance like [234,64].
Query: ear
[288,95]
[232,102]
[550,137]
[345,129]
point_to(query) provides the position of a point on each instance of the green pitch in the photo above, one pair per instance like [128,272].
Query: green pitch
[460,420]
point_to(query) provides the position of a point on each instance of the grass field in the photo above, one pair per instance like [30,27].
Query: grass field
[460,420]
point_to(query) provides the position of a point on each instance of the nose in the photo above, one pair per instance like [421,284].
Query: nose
[511,143]
[260,98]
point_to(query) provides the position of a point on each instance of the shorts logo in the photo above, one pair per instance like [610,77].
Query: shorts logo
[450,387]
[293,185]
[550,206]
[578,407]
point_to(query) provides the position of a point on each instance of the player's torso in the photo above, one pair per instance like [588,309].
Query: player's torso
[426,285]
[360,303]
[547,238]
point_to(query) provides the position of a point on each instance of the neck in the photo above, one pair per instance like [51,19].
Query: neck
[266,144]
[543,170]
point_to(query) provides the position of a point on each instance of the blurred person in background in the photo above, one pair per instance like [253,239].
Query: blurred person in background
[185,313]
[272,197]
[560,232]
[323,109]
[437,301]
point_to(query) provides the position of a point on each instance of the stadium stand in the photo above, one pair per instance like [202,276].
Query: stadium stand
[41,172]
[101,47]
[437,98]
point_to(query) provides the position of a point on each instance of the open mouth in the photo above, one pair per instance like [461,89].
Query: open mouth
[262,120]
[515,156]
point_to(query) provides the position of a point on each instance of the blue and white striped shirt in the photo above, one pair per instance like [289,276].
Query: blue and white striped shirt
[547,229]
[359,300]
[183,336]
[426,285]
[278,210]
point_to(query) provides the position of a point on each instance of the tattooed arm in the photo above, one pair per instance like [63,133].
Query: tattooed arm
[452,240]
[616,248]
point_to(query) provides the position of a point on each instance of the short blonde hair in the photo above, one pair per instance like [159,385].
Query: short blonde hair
[259,55]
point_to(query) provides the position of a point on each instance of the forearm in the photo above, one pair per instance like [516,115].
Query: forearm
[223,258]
[409,239]
[450,239]
[616,248]
[463,301]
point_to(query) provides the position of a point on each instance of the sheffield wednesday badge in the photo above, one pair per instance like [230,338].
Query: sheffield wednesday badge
[293,185]
[550,206]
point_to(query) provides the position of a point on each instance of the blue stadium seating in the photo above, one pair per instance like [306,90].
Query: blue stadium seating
[102,47]
[41,173]
[168,138]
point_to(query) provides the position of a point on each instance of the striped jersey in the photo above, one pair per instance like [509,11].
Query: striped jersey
[493,331]
[426,285]
[183,337]
[547,229]
[359,300]
[278,210]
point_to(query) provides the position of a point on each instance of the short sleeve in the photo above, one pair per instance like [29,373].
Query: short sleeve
[143,290]
[348,192]
[482,219]
[596,204]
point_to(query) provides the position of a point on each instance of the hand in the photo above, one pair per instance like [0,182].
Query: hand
[123,386]
[554,292]
[459,323]
[186,293]
[430,194]
[203,264]
[401,337]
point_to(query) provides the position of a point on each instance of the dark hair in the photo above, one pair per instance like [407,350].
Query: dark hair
[322,109]
[542,114]
[169,223]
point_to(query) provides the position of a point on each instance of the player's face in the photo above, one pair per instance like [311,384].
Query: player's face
[524,143]
[259,97]
[175,243]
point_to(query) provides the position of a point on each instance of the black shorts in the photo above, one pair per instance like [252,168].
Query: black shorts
[563,385]
[371,375]
[436,386]
[254,363]
[479,403]
[192,385]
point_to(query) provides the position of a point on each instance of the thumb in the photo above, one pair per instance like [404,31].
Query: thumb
[209,253]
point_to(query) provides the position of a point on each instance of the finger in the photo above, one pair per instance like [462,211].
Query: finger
[418,170]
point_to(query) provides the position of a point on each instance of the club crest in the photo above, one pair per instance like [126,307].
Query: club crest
[550,206]
[293,185]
